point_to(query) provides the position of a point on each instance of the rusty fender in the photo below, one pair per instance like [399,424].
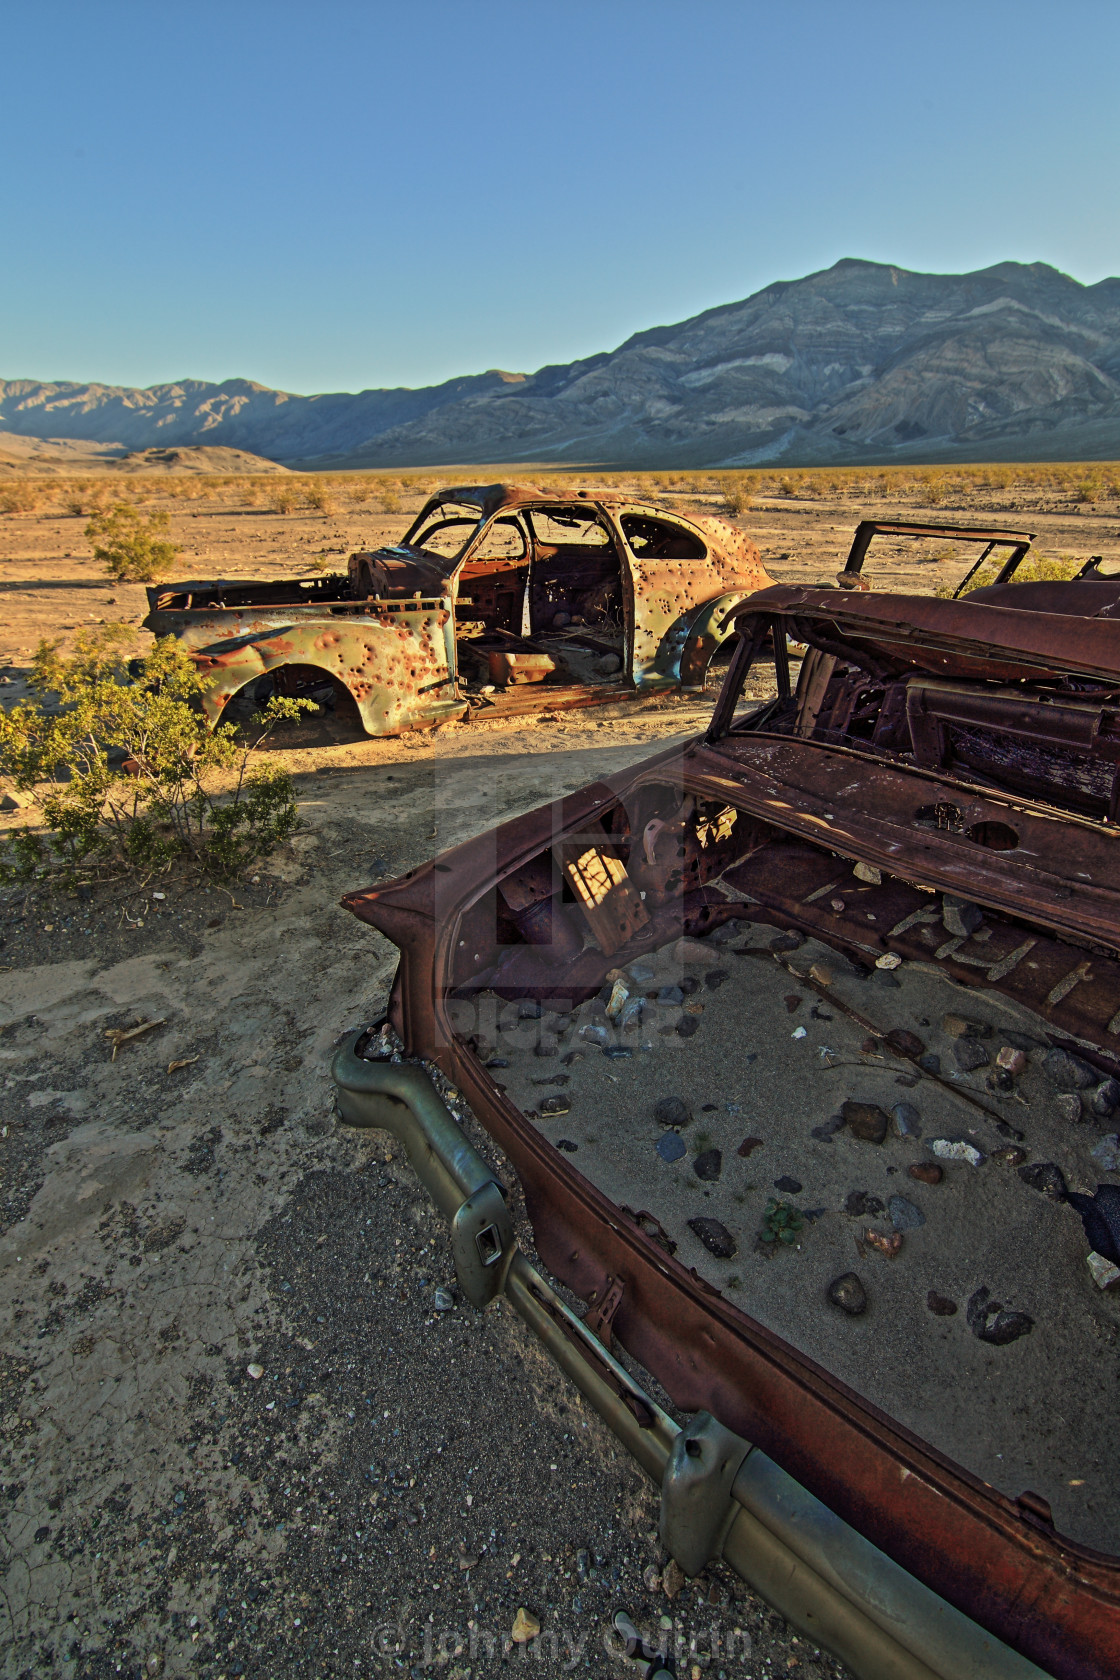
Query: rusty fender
[720,1496]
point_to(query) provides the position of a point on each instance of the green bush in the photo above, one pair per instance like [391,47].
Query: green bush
[781,1223]
[128,544]
[1036,568]
[134,774]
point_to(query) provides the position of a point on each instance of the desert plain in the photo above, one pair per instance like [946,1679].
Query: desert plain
[239,1439]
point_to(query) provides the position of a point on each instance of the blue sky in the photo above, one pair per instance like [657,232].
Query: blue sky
[332,196]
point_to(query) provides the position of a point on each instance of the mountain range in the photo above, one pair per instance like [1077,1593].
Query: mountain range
[860,363]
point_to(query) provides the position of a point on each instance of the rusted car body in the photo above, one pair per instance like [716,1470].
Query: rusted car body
[954,752]
[534,599]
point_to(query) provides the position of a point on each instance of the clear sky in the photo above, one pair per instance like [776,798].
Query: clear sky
[331,195]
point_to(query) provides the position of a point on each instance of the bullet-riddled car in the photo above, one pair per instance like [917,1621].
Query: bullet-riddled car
[520,597]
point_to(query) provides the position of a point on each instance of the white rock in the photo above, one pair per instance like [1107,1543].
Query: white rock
[1105,1274]
[798,1032]
[867,872]
[255,1371]
[956,1150]
[889,959]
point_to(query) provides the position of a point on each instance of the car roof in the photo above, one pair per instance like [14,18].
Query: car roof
[493,498]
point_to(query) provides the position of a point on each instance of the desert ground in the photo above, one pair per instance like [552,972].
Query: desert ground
[396,1482]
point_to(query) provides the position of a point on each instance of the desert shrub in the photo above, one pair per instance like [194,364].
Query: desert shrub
[359,491]
[128,543]
[317,495]
[20,495]
[284,498]
[132,770]
[83,498]
[389,502]
[737,498]
[1087,490]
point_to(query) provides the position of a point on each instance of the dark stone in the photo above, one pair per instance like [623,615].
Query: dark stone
[670,995]
[926,1172]
[1068,1073]
[786,942]
[907,1120]
[672,1111]
[1045,1177]
[866,1121]
[959,916]
[748,1145]
[728,931]
[788,1186]
[940,1304]
[848,1293]
[497,1062]
[671,1147]
[556,1105]
[617,1052]
[905,1215]
[689,985]
[715,977]
[708,1165]
[793,1001]
[687,1025]
[861,1204]
[968,1054]
[991,1322]
[709,1108]
[828,1131]
[905,1043]
[1100,1215]
[930,1062]
[717,1239]
[1106,1098]
[1000,1080]
[567,1144]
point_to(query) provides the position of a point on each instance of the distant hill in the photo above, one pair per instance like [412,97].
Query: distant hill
[862,362]
[73,455]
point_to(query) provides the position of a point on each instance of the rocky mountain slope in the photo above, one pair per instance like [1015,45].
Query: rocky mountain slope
[861,362]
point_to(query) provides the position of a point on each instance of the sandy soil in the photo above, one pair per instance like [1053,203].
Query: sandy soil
[164,1227]
[774,1063]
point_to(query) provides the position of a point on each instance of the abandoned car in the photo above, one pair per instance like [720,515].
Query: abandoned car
[494,588]
[803,1042]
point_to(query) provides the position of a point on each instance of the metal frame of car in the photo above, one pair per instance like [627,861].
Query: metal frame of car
[998,1561]
[1019,543]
